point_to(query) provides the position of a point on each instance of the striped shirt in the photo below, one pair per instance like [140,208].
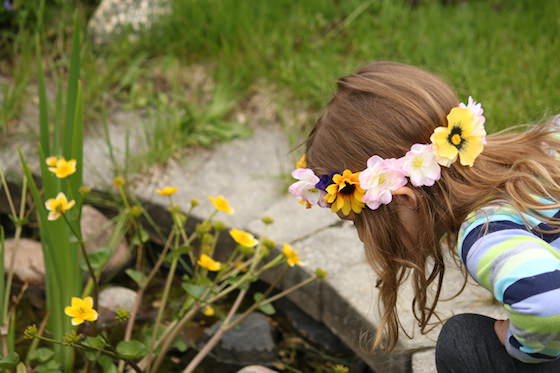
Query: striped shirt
[520,265]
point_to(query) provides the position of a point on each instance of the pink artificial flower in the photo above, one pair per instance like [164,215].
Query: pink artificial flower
[304,189]
[421,166]
[380,179]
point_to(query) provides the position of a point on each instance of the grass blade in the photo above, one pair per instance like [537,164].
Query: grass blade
[72,90]
[43,105]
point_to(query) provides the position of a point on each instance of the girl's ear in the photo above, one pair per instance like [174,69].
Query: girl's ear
[408,197]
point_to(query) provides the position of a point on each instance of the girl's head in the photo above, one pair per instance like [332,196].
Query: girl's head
[385,108]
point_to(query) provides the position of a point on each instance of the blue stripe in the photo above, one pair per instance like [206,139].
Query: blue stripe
[494,226]
[477,233]
[527,287]
[515,343]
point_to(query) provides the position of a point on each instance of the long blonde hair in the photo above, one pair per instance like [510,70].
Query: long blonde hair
[383,109]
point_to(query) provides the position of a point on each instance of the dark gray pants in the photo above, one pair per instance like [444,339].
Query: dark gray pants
[468,344]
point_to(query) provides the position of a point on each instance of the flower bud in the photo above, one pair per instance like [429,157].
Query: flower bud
[267,220]
[321,273]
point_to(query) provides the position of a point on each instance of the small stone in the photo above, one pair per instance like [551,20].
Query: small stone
[97,231]
[115,298]
[29,265]
[251,342]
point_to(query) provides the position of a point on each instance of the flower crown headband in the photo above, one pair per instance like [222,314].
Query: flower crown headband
[463,138]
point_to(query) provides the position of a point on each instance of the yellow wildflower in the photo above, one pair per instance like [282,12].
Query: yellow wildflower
[58,205]
[302,162]
[167,191]
[291,255]
[243,238]
[62,168]
[463,137]
[118,182]
[51,161]
[81,310]
[209,311]
[345,193]
[210,264]
[339,368]
[222,204]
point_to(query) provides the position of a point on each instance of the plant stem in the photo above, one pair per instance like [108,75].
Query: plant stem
[140,294]
[217,336]
[270,300]
[80,346]
[86,258]
[170,337]
[17,236]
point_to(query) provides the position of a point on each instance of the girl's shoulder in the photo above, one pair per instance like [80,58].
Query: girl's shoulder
[501,215]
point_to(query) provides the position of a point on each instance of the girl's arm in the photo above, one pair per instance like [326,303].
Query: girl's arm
[523,272]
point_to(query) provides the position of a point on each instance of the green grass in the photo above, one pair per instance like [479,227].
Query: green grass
[502,52]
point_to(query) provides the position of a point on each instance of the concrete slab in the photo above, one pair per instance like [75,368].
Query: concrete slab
[424,362]
[245,171]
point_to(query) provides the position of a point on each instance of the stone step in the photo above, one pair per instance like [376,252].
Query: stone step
[248,172]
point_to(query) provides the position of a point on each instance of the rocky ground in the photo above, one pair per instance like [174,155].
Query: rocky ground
[248,173]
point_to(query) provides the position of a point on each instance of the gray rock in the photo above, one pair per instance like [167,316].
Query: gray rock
[251,342]
[97,231]
[113,298]
[112,17]
[117,297]
[29,265]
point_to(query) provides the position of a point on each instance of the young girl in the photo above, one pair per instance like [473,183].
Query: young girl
[395,152]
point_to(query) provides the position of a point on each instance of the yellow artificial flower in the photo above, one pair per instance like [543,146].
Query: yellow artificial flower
[243,238]
[222,204]
[345,193]
[209,311]
[167,191]
[81,310]
[291,255]
[58,205]
[462,137]
[210,264]
[118,182]
[51,161]
[302,162]
[62,168]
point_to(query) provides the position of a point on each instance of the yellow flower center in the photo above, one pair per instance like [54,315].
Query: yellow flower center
[418,162]
[456,139]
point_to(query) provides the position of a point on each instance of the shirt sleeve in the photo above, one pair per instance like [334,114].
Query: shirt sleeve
[523,273]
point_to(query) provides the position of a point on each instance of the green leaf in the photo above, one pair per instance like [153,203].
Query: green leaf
[9,361]
[180,344]
[98,342]
[21,368]
[98,258]
[42,354]
[137,276]
[132,349]
[107,364]
[267,309]
[195,291]
[51,367]
[140,237]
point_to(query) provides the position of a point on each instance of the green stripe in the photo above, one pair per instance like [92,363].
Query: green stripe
[484,265]
[534,324]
